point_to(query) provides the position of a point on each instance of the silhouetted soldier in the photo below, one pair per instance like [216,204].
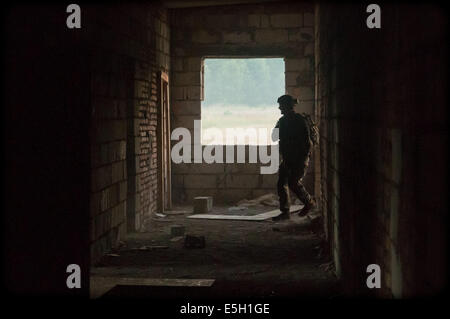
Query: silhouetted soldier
[295,149]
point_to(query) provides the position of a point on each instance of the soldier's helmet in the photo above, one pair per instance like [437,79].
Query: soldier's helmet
[287,100]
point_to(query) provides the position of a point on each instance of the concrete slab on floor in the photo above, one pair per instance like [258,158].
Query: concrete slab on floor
[100,284]
[259,217]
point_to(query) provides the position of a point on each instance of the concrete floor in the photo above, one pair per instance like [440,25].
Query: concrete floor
[246,259]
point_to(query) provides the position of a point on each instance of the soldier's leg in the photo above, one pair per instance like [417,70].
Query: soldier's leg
[283,192]
[297,187]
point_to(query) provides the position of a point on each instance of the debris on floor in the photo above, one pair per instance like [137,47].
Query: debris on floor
[203,204]
[323,249]
[237,208]
[152,247]
[113,255]
[236,252]
[178,238]
[327,267]
[191,241]
[161,218]
[286,227]
[177,230]
[316,223]
[264,200]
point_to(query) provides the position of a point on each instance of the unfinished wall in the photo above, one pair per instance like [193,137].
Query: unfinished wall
[142,123]
[128,46]
[381,101]
[268,30]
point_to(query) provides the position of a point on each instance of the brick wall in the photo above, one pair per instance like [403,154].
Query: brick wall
[266,30]
[128,45]
[381,103]
[143,164]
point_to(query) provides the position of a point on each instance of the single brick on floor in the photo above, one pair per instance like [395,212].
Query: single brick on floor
[203,204]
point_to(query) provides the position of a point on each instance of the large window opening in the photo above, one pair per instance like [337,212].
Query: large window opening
[240,100]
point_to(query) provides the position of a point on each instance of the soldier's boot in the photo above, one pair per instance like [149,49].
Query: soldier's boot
[310,204]
[283,216]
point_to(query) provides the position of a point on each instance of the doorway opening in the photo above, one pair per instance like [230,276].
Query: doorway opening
[164,159]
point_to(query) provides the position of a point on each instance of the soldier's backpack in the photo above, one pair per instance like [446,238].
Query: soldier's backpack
[313,130]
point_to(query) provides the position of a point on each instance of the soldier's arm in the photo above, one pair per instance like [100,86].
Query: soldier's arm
[275,132]
[305,133]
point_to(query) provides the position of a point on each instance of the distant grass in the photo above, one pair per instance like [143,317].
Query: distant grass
[240,116]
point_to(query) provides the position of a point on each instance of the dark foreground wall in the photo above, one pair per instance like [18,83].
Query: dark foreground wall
[46,126]
[381,99]
[80,133]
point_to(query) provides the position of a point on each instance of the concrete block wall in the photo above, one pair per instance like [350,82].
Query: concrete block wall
[263,30]
[143,187]
[128,45]
[383,149]
[226,182]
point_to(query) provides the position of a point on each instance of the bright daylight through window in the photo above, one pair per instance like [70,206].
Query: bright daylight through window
[240,96]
